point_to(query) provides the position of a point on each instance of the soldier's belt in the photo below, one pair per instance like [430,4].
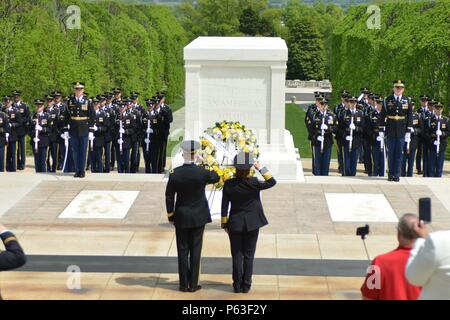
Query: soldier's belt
[79,118]
[396,118]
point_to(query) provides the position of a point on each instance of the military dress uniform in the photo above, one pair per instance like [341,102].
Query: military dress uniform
[22,130]
[100,129]
[322,156]
[15,122]
[155,137]
[189,213]
[242,216]
[409,153]
[79,124]
[166,119]
[398,121]
[147,142]
[438,146]
[422,111]
[353,139]
[127,131]
[367,140]
[426,141]
[52,157]
[13,257]
[5,130]
[109,136]
[339,143]
[376,127]
[43,122]
[135,141]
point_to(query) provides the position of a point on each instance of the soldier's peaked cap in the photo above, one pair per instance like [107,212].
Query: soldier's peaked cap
[16,93]
[190,146]
[399,83]
[78,85]
[243,161]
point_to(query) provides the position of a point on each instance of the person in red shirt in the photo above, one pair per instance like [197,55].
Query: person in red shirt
[386,278]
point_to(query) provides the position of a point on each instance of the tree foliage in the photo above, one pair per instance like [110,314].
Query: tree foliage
[136,47]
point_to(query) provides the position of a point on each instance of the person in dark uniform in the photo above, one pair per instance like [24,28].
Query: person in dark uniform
[339,143]
[135,110]
[147,142]
[15,121]
[53,135]
[376,126]
[5,130]
[166,118]
[427,141]
[39,131]
[100,127]
[245,217]
[398,123]
[438,132]
[422,111]
[155,136]
[60,107]
[324,122]
[189,213]
[125,131]
[353,122]
[25,116]
[79,119]
[110,133]
[310,111]
[411,145]
[13,257]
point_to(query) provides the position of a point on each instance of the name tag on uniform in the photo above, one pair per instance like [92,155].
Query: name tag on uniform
[156,121]
[415,121]
[1,120]
[84,107]
[358,119]
[13,116]
[405,106]
[127,122]
[21,110]
[44,121]
[444,126]
[53,116]
[100,119]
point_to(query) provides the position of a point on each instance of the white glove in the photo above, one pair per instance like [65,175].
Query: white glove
[91,136]
[320,138]
[438,132]
[381,134]
[349,138]
[323,127]
[120,141]
[38,128]
[6,136]
[36,140]
[122,131]
[149,130]
[379,138]
[65,135]
[95,127]
[411,130]
[435,143]
[352,126]
[408,137]
[147,141]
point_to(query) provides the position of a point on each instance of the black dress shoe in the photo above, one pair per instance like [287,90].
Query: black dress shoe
[419,172]
[183,289]
[82,174]
[237,288]
[390,179]
[76,175]
[245,289]
[397,179]
[195,289]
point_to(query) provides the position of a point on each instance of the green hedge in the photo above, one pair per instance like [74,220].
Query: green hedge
[136,47]
[413,44]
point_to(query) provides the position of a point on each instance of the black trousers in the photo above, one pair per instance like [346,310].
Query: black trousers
[189,247]
[243,247]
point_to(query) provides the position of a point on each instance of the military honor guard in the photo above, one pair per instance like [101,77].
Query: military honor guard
[165,118]
[438,132]
[147,125]
[338,136]
[411,144]
[155,136]
[110,133]
[136,110]
[125,124]
[310,111]
[423,114]
[376,127]
[25,116]
[5,130]
[15,121]
[398,123]
[52,157]
[79,117]
[427,142]
[39,132]
[189,213]
[61,145]
[324,124]
[96,146]
[353,122]
[243,215]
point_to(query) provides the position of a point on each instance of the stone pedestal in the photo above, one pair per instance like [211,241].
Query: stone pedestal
[242,79]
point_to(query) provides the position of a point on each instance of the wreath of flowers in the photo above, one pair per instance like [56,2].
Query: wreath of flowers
[231,136]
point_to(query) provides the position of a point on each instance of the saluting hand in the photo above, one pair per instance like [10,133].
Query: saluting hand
[257,166]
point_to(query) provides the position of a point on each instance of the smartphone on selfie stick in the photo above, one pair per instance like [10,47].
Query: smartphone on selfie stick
[425,210]
[363,232]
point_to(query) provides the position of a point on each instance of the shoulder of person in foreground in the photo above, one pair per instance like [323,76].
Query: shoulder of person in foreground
[210,175]
[13,257]
[269,180]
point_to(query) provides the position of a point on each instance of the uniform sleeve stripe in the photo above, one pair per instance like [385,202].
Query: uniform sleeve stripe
[7,240]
